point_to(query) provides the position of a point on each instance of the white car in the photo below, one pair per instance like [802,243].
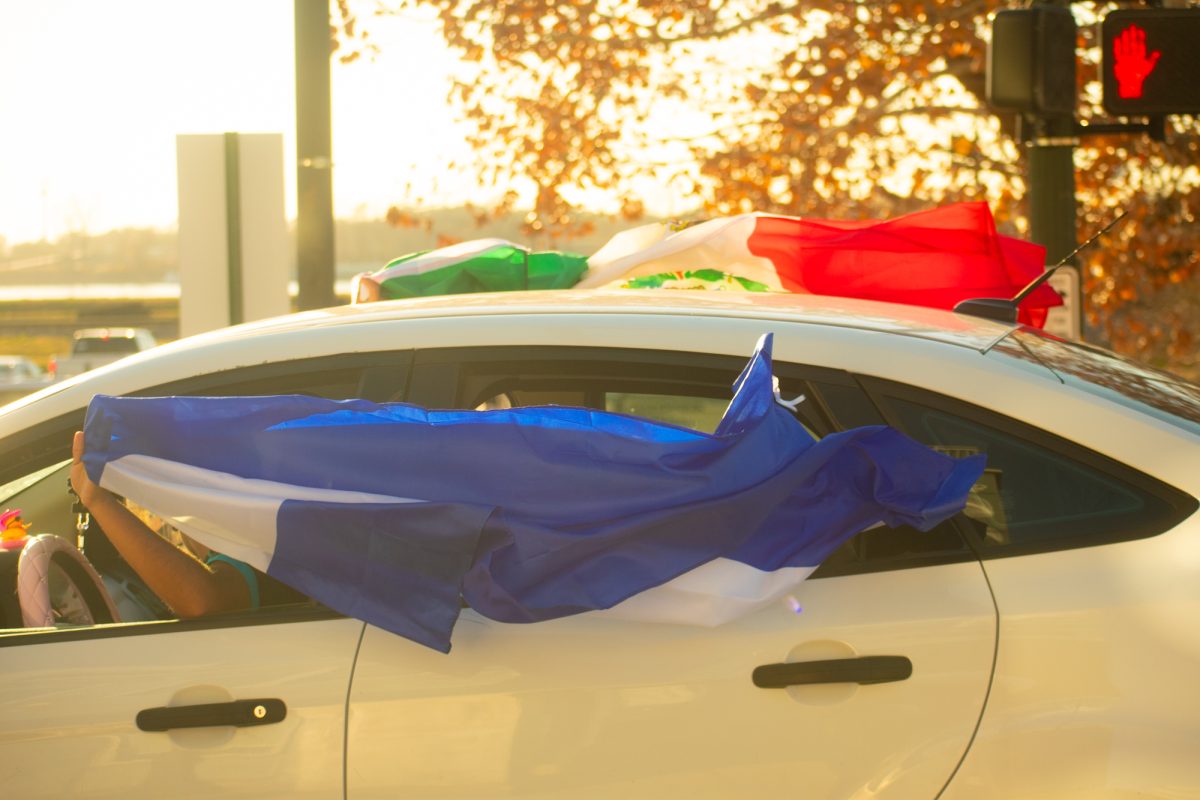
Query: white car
[1044,643]
[95,347]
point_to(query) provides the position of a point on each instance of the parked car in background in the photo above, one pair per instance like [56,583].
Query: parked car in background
[19,376]
[1050,628]
[95,347]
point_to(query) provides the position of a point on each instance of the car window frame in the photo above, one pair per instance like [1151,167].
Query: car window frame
[1179,504]
[437,377]
[385,376]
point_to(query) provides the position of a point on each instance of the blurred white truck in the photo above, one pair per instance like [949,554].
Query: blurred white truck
[95,347]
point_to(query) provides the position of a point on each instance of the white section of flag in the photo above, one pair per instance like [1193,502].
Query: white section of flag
[649,250]
[444,256]
[230,514]
[709,595]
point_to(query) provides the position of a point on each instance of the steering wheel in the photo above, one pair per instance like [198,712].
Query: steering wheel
[56,584]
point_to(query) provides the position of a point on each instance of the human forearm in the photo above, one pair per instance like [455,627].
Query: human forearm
[188,586]
[179,579]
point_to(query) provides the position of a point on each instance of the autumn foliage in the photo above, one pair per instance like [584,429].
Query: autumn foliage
[830,109]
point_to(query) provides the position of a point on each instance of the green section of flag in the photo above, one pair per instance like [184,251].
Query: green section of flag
[498,269]
[713,279]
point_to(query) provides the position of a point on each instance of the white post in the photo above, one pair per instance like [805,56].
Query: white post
[232,230]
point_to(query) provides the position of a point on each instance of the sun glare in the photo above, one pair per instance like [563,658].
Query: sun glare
[99,91]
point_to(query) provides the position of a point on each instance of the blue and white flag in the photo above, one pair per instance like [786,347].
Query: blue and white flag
[395,514]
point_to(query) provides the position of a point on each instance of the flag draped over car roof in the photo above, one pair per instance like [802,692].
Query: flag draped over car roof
[395,514]
[934,258]
[480,265]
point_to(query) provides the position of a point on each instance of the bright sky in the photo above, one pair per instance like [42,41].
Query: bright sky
[93,94]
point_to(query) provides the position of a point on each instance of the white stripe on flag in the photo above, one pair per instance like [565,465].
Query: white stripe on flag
[444,256]
[230,514]
[720,244]
[710,595]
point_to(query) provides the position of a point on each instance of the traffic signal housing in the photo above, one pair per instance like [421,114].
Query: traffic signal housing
[1031,61]
[1150,61]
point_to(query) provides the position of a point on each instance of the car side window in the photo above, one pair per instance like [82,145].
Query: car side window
[45,508]
[691,390]
[848,404]
[697,413]
[36,483]
[372,376]
[1038,492]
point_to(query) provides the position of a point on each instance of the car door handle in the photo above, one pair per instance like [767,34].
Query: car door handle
[861,670]
[239,713]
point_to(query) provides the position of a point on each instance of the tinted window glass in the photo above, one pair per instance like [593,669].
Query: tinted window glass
[14,487]
[331,384]
[373,376]
[693,396]
[113,346]
[1031,494]
[849,405]
[697,413]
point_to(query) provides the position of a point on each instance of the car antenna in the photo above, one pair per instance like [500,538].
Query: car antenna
[998,308]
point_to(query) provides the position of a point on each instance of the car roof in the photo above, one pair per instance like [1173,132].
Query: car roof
[917,321]
[926,347]
[266,339]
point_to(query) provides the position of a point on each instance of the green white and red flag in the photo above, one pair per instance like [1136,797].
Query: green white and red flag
[480,265]
[933,258]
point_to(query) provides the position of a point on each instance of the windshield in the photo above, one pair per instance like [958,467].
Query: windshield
[1159,394]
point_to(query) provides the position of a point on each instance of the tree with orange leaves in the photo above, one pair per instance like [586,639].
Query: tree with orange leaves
[834,108]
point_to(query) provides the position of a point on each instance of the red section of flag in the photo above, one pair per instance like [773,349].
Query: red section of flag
[932,258]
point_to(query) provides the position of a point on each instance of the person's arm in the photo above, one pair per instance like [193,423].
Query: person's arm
[190,587]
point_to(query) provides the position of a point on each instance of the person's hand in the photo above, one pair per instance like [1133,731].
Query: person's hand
[87,490]
[364,289]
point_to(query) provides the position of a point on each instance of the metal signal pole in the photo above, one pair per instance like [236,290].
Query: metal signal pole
[314,156]
[1052,206]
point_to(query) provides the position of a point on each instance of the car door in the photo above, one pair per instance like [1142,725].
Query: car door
[595,707]
[248,704]
[71,701]
[1092,565]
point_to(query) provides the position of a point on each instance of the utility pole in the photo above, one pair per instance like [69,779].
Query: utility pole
[1031,71]
[1051,145]
[1052,206]
[314,156]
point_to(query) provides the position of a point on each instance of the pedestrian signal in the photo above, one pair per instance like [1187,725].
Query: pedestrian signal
[1031,60]
[1150,61]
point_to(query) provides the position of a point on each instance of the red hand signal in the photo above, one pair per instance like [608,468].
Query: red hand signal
[1130,64]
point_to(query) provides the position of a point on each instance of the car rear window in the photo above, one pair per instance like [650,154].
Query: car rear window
[1158,394]
[110,346]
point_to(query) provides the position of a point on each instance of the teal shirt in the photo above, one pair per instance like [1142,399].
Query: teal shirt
[245,569]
